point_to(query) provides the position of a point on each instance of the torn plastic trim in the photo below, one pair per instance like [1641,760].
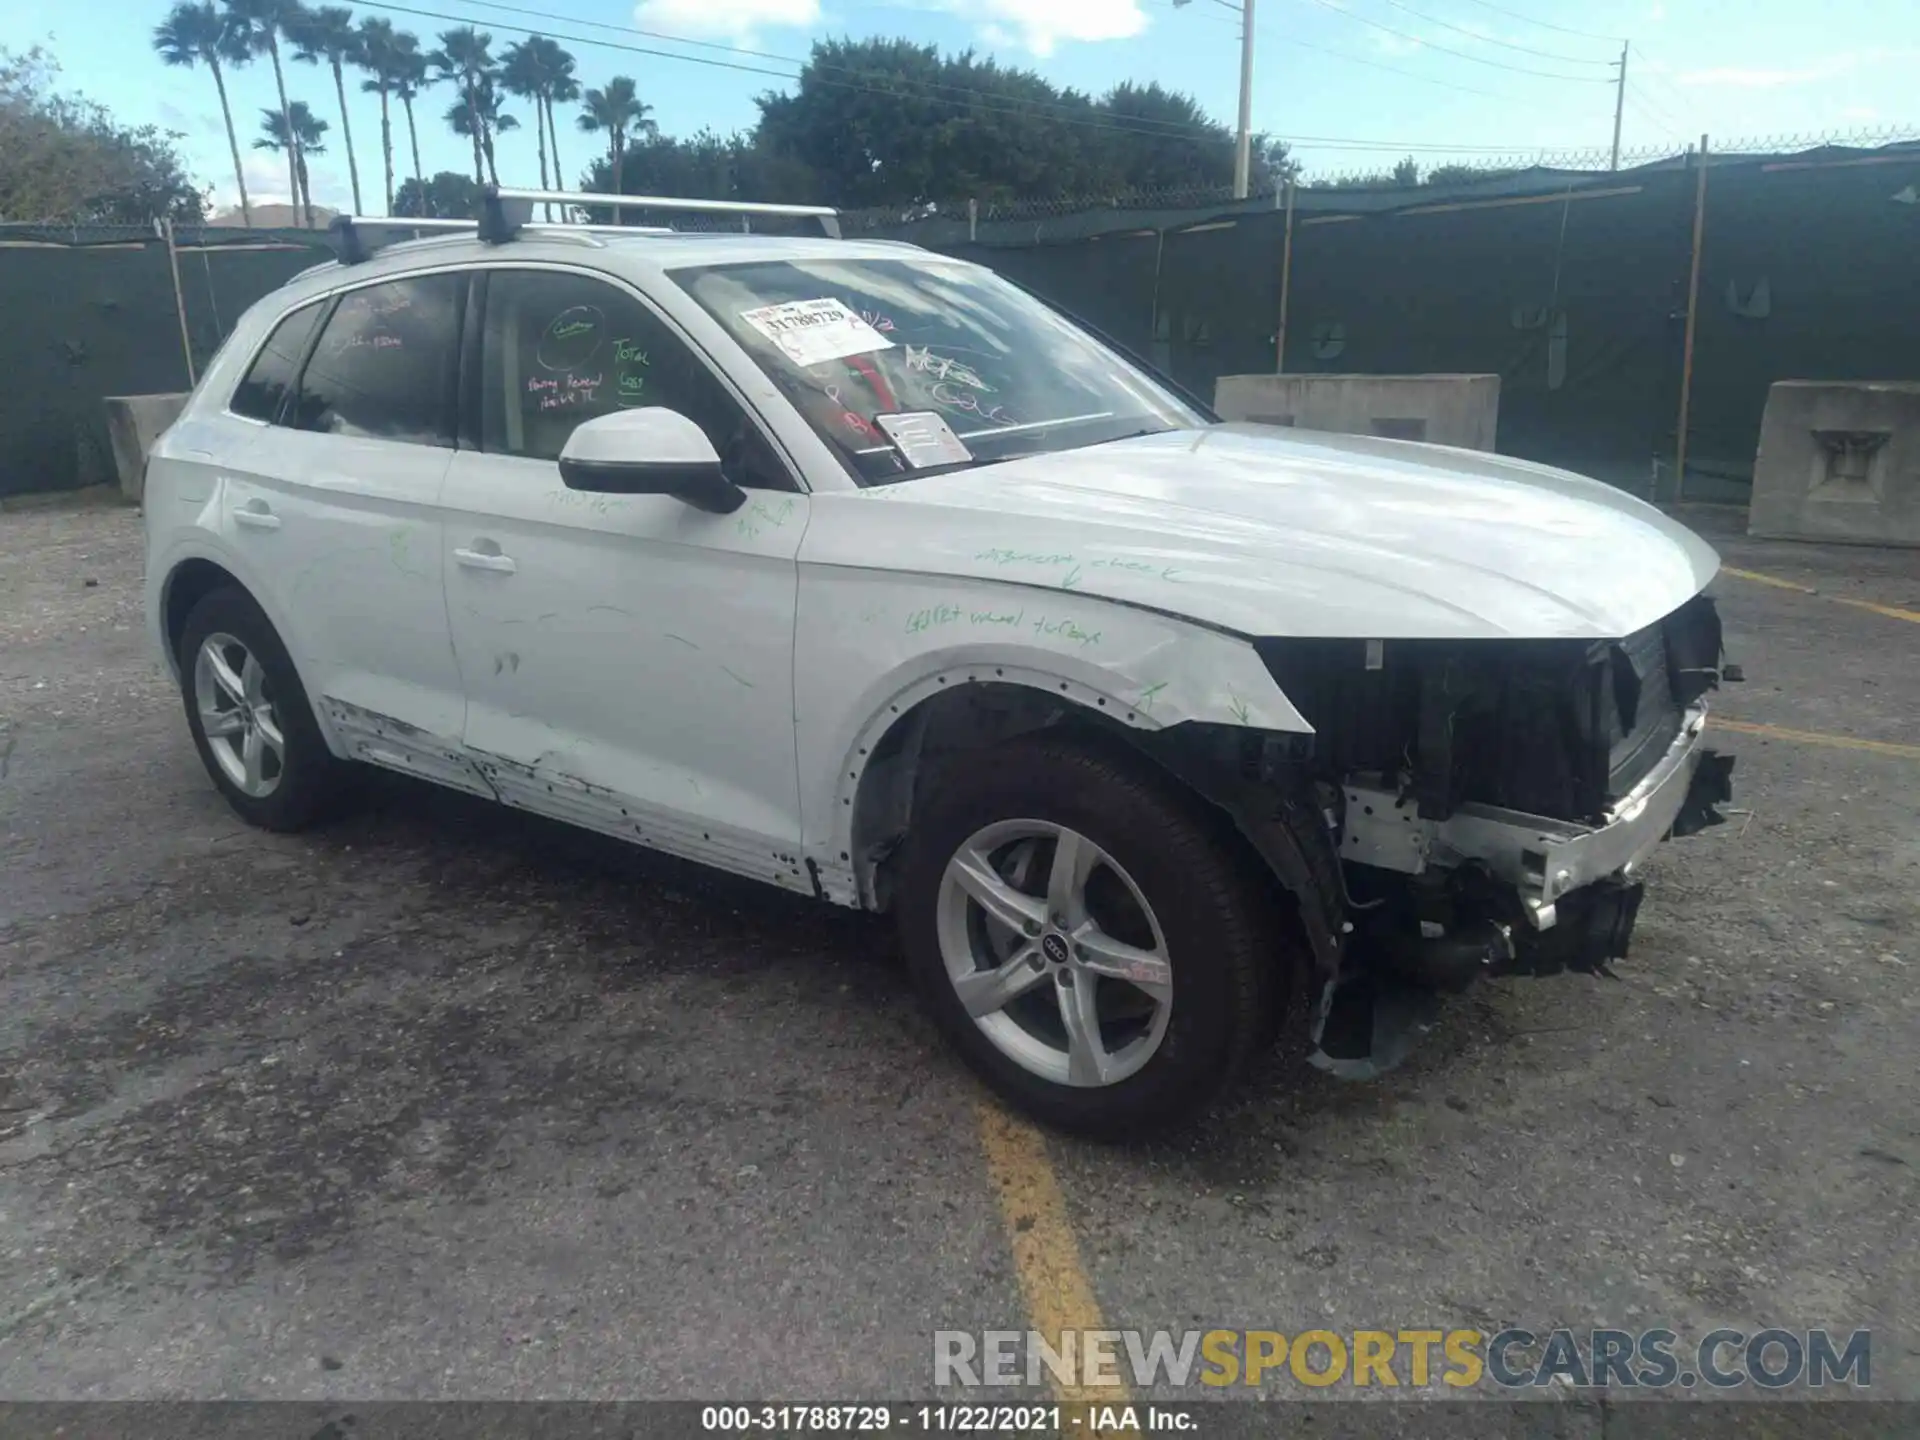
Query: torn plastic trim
[1543,859]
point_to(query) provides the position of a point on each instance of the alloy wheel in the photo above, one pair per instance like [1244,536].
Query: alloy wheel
[1055,953]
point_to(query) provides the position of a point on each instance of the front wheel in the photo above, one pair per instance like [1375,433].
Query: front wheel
[1088,935]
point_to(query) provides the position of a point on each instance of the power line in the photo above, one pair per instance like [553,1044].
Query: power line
[1660,117]
[1458,54]
[1279,37]
[1546,24]
[1172,129]
[967,99]
[1382,65]
[1672,90]
[1490,40]
[1118,126]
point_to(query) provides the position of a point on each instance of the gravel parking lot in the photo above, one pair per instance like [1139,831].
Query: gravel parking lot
[443,1101]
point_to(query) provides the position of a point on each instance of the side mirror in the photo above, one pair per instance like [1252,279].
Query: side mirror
[651,451]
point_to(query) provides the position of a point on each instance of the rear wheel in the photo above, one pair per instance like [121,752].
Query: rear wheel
[1087,935]
[250,719]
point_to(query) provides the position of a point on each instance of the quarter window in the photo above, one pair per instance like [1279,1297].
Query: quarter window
[560,349]
[270,378]
[386,365]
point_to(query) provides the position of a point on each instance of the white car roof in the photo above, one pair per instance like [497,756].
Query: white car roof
[641,254]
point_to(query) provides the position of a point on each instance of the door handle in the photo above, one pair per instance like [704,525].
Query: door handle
[255,515]
[486,560]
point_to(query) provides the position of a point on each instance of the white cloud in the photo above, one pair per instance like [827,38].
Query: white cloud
[734,19]
[1035,26]
[1038,26]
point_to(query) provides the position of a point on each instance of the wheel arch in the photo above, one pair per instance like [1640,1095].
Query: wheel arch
[191,573]
[186,585]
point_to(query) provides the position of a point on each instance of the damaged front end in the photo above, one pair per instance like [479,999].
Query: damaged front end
[1492,803]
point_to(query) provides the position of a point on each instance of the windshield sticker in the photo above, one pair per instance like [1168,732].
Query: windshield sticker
[812,332]
[924,439]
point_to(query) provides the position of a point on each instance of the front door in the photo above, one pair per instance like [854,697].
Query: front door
[627,659]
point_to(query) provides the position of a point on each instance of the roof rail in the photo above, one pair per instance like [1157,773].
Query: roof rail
[505,213]
[351,234]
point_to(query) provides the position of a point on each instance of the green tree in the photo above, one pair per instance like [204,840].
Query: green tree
[299,133]
[482,118]
[195,34]
[64,158]
[890,122]
[563,88]
[706,166]
[537,69]
[519,77]
[377,58]
[619,113]
[409,79]
[448,194]
[326,34]
[465,60]
[257,27]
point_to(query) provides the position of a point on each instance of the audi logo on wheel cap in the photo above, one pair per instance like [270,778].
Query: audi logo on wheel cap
[1054,947]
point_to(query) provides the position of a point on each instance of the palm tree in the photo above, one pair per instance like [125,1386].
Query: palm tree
[409,78]
[377,58]
[194,34]
[562,89]
[327,34]
[299,133]
[619,111]
[482,118]
[539,70]
[464,59]
[257,28]
[520,75]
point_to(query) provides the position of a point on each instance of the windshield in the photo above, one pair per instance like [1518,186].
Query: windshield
[903,366]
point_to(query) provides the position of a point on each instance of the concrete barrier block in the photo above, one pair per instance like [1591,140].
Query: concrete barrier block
[1462,410]
[1839,460]
[134,422]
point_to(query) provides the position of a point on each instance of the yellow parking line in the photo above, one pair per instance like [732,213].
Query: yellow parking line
[1892,612]
[1773,580]
[1815,737]
[1058,1293]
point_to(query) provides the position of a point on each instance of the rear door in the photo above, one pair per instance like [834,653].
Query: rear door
[337,506]
[628,659]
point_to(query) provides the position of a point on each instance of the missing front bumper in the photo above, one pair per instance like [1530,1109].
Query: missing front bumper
[1574,886]
[1542,859]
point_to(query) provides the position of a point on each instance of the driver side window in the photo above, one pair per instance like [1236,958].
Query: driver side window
[558,349]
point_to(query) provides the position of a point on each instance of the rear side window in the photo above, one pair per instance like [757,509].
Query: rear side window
[385,367]
[270,379]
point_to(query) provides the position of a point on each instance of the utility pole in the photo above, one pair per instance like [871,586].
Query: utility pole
[1243,145]
[1243,141]
[1619,103]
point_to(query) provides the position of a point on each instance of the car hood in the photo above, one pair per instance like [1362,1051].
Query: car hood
[1268,531]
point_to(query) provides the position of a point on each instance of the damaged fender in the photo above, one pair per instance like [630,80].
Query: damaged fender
[871,648]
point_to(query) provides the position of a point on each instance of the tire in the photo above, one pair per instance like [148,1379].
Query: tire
[298,784]
[1208,918]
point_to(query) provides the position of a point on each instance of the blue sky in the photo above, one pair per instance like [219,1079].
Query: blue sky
[1358,82]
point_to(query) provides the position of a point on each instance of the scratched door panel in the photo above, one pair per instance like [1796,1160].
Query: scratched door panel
[627,659]
[634,670]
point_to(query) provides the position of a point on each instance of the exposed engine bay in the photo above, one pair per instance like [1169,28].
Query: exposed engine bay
[1492,802]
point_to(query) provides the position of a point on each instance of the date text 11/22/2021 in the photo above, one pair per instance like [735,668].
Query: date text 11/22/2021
[963,1419]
